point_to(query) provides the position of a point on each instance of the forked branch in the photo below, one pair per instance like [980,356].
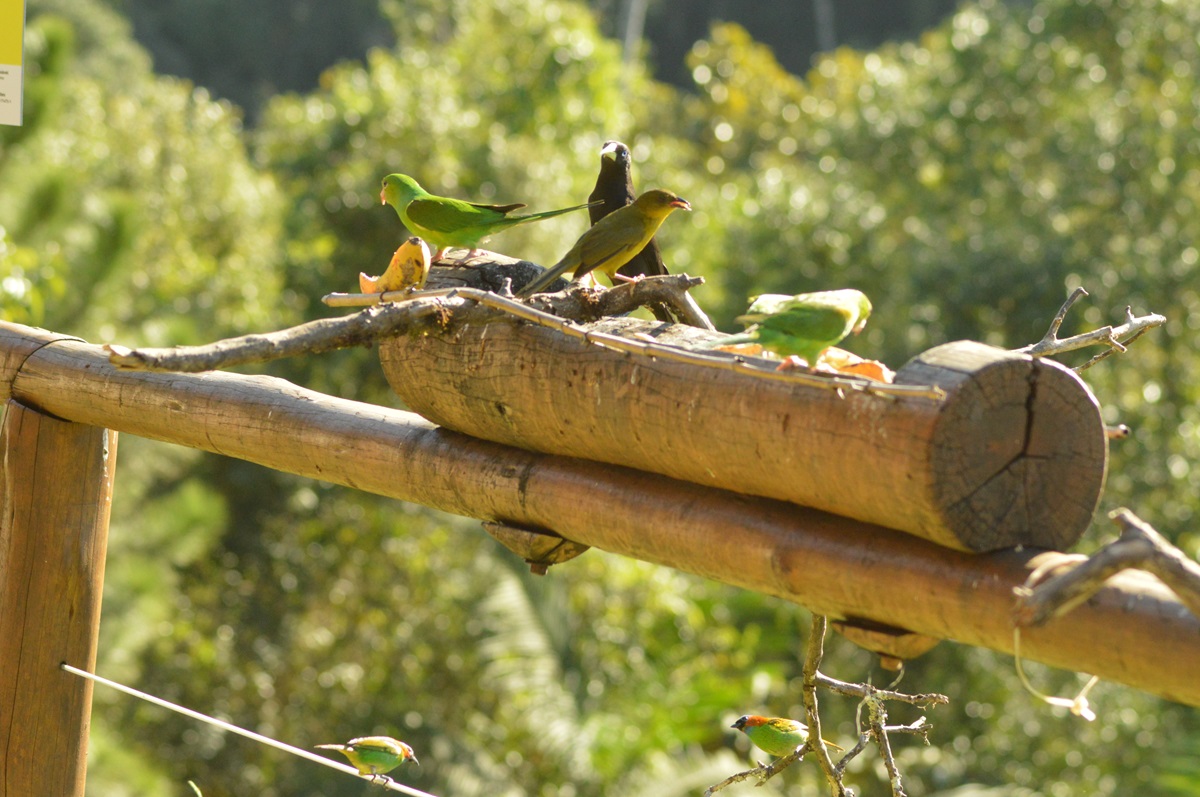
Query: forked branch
[877,730]
[1117,338]
[1051,592]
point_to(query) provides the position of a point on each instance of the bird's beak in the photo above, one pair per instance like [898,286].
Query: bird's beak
[610,150]
[383,196]
[682,204]
[415,761]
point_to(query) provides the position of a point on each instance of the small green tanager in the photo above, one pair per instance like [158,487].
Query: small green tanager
[777,736]
[374,755]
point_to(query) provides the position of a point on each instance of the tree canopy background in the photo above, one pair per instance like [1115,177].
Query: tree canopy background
[966,178]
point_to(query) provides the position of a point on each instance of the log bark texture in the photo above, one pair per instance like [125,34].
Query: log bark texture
[54,510]
[1014,455]
[832,565]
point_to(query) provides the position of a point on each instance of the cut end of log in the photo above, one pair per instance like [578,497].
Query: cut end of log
[1019,449]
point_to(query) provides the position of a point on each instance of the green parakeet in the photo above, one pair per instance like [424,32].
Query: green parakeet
[775,736]
[614,240]
[374,755]
[805,324]
[445,222]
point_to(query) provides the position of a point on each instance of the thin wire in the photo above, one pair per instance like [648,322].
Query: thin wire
[258,737]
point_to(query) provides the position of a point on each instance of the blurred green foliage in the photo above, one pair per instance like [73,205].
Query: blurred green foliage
[966,181]
[136,195]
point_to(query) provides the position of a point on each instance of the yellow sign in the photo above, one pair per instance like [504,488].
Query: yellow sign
[12,37]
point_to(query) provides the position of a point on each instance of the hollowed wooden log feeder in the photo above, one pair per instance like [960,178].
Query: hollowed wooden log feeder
[1013,454]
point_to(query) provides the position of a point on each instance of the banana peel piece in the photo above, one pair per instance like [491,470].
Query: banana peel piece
[408,270]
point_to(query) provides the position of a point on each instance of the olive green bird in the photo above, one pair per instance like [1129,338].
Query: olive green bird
[614,240]
[804,325]
[374,755]
[445,222]
[777,736]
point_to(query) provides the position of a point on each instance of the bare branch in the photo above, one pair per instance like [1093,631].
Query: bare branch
[737,777]
[812,661]
[670,290]
[327,334]
[1052,592]
[876,719]
[878,728]
[763,772]
[429,311]
[868,691]
[576,302]
[1117,339]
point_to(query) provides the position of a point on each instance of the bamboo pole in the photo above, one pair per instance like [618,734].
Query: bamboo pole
[57,490]
[830,564]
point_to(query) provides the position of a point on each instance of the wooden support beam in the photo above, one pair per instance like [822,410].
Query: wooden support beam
[844,568]
[1014,453]
[54,508]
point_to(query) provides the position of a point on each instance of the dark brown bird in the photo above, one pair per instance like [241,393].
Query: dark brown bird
[614,189]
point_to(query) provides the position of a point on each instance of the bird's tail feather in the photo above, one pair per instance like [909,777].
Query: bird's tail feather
[557,270]
[543,280]
[546,214]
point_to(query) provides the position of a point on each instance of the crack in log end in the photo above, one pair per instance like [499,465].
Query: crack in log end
[1030,414]
[1030,406]
[1019,453]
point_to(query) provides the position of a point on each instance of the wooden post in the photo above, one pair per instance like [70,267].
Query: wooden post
[54,508]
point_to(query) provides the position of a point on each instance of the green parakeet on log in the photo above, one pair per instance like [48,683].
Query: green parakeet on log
[803,325]
[445,222]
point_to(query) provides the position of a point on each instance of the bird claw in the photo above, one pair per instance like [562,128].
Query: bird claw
[462,261]
[793,363]
[381,779]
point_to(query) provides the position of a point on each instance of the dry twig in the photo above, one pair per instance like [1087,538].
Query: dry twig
[429,311]
[865,691]
[812,661]
[576,302]
[1050,593]
[1117,339]
[877,728]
